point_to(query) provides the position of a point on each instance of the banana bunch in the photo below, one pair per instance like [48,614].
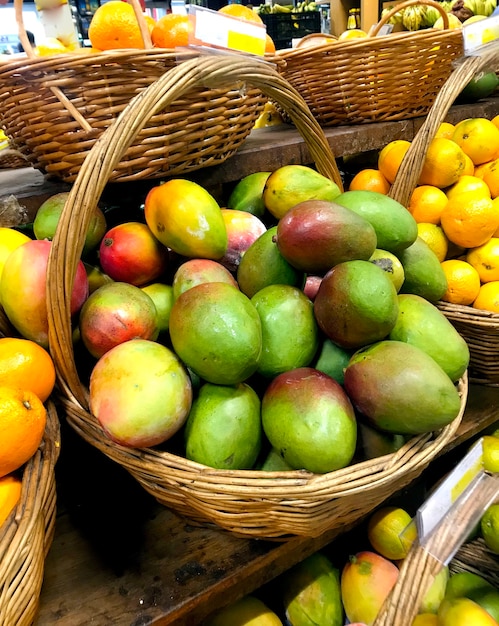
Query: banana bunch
[396,18]
[414,17]
[431,16]
[481,7]
[303,7]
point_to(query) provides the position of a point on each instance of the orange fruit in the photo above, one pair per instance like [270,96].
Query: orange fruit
[172,31]
[22,423]
[468,183]
[485,259]
[269,44]
[427,203]
[390,158]
[25,364]
[446,129]
[242,12]
[352,33]
[150,21]
[495,121]
[50,46]
[488,297]
[469,220]
[113,26]
[425,619]
[491,177]
[444,163]
[10,492]
[479,139]
[469,166]
[480,170]
[463,282]
[435,239]
[385,531]
[370,180]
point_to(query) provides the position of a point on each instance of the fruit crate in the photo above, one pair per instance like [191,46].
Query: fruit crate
[284,27]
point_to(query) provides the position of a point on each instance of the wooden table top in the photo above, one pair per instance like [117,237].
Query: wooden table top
[119,558]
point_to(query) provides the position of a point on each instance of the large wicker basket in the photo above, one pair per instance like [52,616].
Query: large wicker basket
[480,329]
[379,78]
[26,535]
[55,108]
[251,503]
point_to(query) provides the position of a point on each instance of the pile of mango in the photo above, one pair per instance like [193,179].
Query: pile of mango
[292,328]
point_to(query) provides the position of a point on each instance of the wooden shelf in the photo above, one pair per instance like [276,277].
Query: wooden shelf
[119,558]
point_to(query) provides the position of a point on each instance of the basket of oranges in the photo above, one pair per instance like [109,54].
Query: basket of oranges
[29,448]
[374,77]
[447,176]
[247,501]
[57,102]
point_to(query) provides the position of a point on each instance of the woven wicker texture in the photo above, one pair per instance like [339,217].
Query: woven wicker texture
[390,77]
[480,329]
[271,504]
[11,158]
[26,536]
[423,563]
[56,107]
[476,558]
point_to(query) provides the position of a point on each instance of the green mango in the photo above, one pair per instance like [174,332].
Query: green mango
[421,324]
[395,227]
[262,264]
[289,330]
[312,594]
[423,273]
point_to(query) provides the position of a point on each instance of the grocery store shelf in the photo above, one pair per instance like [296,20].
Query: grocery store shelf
[119,558]
[265,149]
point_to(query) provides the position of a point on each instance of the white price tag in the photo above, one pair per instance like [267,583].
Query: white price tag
[436,507]
[477,34]
[218,30]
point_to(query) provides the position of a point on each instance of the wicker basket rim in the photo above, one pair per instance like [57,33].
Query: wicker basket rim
[360,476]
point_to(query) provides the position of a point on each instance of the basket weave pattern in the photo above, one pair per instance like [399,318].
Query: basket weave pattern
[26,536]
[480,329]
[254,503]
[385,78]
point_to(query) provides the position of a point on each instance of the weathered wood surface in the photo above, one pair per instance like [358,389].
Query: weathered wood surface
[118,558]
[264,150]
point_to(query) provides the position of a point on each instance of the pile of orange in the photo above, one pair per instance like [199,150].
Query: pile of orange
[27,378]
[456,205]
[114,26]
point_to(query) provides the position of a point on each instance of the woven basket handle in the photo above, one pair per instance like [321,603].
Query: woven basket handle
[215,71]
[412,164]
[409,3]
[59,94]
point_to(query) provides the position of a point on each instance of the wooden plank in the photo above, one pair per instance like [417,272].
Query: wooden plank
[118,558]
[265,149]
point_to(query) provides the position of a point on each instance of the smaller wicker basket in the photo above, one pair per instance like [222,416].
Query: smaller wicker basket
[480,329]
[26,535]
[391,77]
[252,503]
[56,107]
[475,557]
[421,565]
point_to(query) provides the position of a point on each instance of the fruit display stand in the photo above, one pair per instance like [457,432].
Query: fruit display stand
[174,572]
[27,534]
